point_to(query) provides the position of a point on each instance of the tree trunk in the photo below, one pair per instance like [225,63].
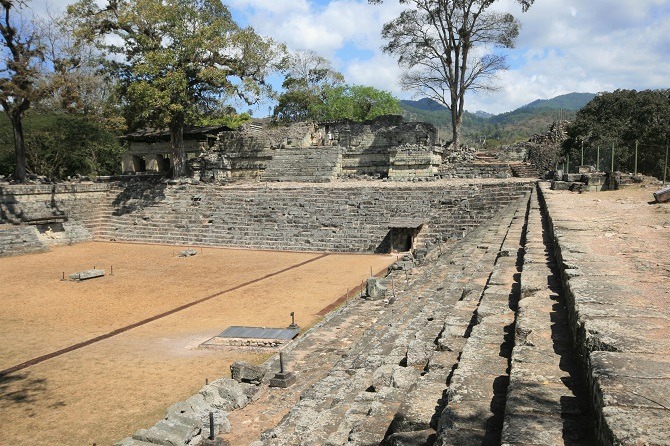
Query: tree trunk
[19,145]
[179,168]
[456,121]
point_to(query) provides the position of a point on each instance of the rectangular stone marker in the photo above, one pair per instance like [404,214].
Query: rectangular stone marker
[88,274]
[662,195]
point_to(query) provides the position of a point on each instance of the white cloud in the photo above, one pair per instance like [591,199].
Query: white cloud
[563,46]
[380,72]
[571,45]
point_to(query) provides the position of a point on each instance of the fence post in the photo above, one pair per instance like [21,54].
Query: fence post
[665,166]
[582,153]
[598,160]
[636,142]
[612,169]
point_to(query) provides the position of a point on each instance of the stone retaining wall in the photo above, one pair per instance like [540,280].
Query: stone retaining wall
[622,347]
[42,215]
[350,217]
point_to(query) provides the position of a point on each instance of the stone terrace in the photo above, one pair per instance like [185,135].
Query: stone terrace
[345,217]
[547,324]
[614,256]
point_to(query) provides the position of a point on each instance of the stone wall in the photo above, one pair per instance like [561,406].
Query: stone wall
[341,217]
[370,148]
[477,170]
[344,217]
[38,216]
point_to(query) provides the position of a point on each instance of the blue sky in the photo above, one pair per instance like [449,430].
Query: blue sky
[564,45]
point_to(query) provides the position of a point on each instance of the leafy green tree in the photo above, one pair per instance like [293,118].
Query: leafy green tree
[59,145]
[442,46]
[307,76]
[75,82]
[355,102]
[22,56]
[173,56]
[623,119]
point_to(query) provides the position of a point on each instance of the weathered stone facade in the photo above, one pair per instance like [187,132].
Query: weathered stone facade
[38,216]
[304,151]
[345,217]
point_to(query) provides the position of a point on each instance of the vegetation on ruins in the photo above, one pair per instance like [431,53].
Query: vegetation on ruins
[444,46]
[621,124]
[307,75]
[355,102]
[175,59]
[314,90]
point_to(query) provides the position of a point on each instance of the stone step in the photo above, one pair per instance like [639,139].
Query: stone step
[475,397]
[546,400]
[397,356]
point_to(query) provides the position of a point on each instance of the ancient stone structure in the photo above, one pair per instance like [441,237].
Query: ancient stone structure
[497,328]
[150,150]
[347,217]
[384,147]
[540,151]
[34,217]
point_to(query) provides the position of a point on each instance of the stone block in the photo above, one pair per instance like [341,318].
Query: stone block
[242,371]
[662,195]
[419,352]
[158,436]
[232,391]
[628,425]
[374,289]
[283,380]
[414,438]
[536,429]
[87,274]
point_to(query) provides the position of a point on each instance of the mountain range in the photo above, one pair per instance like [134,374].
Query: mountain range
[504,128]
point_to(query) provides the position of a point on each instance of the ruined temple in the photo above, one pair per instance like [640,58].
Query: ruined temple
[505,321]
[303,151]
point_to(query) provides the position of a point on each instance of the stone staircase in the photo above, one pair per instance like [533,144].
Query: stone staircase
[524,170]
[315,165]
[304,217]
[472,349]
[20,239]
[487,169]
[390,385]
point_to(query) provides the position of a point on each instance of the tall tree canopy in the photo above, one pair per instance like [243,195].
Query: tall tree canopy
[444,47]
[174,58]
[621,120]
[22,56]
[355,102]
[307,76]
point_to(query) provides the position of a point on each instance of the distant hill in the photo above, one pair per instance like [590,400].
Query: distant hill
[570,101]
[504,128]
[425,104]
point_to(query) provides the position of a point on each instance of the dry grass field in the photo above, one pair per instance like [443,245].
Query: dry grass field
[104,391]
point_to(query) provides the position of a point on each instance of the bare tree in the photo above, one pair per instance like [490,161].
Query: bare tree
[445,47]
[21,58]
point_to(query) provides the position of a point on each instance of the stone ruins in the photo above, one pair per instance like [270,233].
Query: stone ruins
[502,326]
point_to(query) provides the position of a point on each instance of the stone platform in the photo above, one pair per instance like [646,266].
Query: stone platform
[614,254]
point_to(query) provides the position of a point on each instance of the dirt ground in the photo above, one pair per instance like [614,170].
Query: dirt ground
[105,391]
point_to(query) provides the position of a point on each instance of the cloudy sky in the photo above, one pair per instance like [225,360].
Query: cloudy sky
[564,45]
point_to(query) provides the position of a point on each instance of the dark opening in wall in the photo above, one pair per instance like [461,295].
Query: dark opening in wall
[403,233]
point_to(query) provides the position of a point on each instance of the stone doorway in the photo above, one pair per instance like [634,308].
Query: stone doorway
[403,233]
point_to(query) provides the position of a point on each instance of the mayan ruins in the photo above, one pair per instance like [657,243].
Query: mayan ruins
[514,310]
[334,223]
